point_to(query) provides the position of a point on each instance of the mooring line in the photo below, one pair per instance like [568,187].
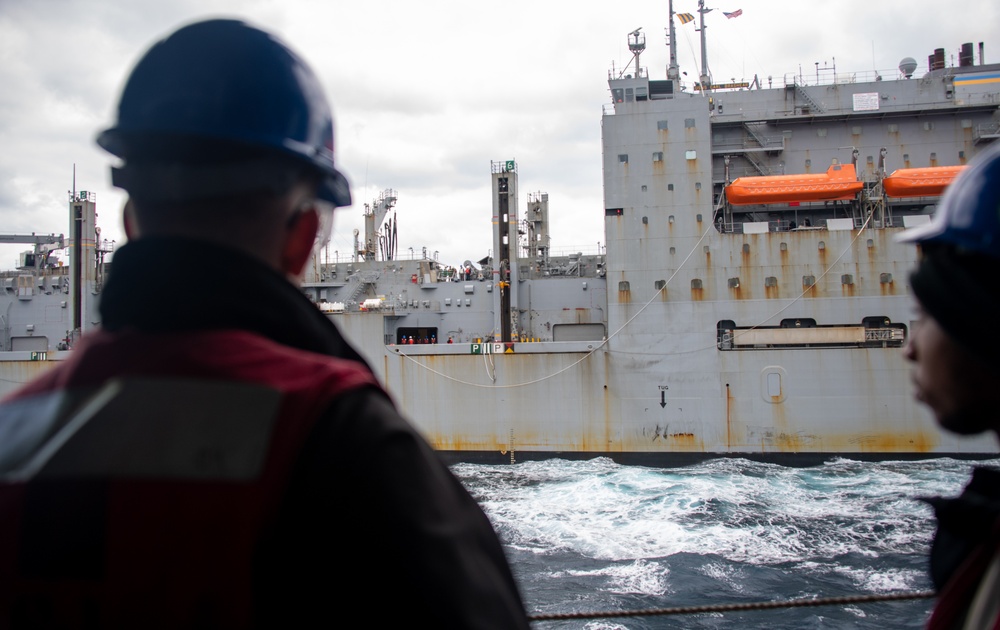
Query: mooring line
[691,610]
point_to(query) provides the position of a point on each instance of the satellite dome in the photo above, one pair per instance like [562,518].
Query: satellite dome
[907,66]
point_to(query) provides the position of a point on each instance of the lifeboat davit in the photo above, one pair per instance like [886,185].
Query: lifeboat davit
[840,182]
[920,182]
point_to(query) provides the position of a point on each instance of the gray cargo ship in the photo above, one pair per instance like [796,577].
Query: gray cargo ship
[751,300]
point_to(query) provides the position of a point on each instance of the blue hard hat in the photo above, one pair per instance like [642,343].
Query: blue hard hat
[968,216]
[223,83]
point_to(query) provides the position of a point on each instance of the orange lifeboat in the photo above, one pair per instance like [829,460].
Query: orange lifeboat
[840,182]
[920,182]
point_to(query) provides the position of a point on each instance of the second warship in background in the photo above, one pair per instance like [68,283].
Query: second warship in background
[751,301]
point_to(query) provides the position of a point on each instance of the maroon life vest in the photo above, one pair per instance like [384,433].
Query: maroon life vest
[138,478]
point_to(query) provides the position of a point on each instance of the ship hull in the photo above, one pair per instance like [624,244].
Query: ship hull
[661,391]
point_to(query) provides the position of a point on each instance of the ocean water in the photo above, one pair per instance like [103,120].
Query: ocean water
[586,536]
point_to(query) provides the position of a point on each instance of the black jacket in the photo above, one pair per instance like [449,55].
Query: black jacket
[967,540]
[375,530]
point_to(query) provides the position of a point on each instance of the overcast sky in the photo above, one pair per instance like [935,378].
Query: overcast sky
[426,94]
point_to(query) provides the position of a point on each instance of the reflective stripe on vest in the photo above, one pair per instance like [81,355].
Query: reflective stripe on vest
[186,430]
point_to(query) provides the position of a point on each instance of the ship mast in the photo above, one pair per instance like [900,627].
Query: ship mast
[637,44]
[673,70]
[705,78]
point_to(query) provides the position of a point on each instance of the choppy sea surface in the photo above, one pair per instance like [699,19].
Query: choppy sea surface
[586,536]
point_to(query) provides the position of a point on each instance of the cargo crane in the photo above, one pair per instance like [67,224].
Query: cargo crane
[374,239]
[44,244]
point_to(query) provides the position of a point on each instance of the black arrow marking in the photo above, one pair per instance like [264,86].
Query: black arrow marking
[663,399]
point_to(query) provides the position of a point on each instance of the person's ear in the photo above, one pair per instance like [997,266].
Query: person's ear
[299,242]
[128,219]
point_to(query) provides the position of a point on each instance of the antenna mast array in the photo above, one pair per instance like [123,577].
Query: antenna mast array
[673,70]
[636,44]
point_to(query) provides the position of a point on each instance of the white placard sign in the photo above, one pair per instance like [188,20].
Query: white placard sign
[866,102]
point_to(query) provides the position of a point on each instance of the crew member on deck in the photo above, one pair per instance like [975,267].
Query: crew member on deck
[955,350]
[217,461]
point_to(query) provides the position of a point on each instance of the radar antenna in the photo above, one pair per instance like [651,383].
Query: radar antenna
[636,44]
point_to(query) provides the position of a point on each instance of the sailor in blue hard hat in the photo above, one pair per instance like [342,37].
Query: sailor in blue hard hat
[955,351]
[222,111]
[269,464]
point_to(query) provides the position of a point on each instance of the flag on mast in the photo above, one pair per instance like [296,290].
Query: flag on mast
[684,17]
[735,14]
